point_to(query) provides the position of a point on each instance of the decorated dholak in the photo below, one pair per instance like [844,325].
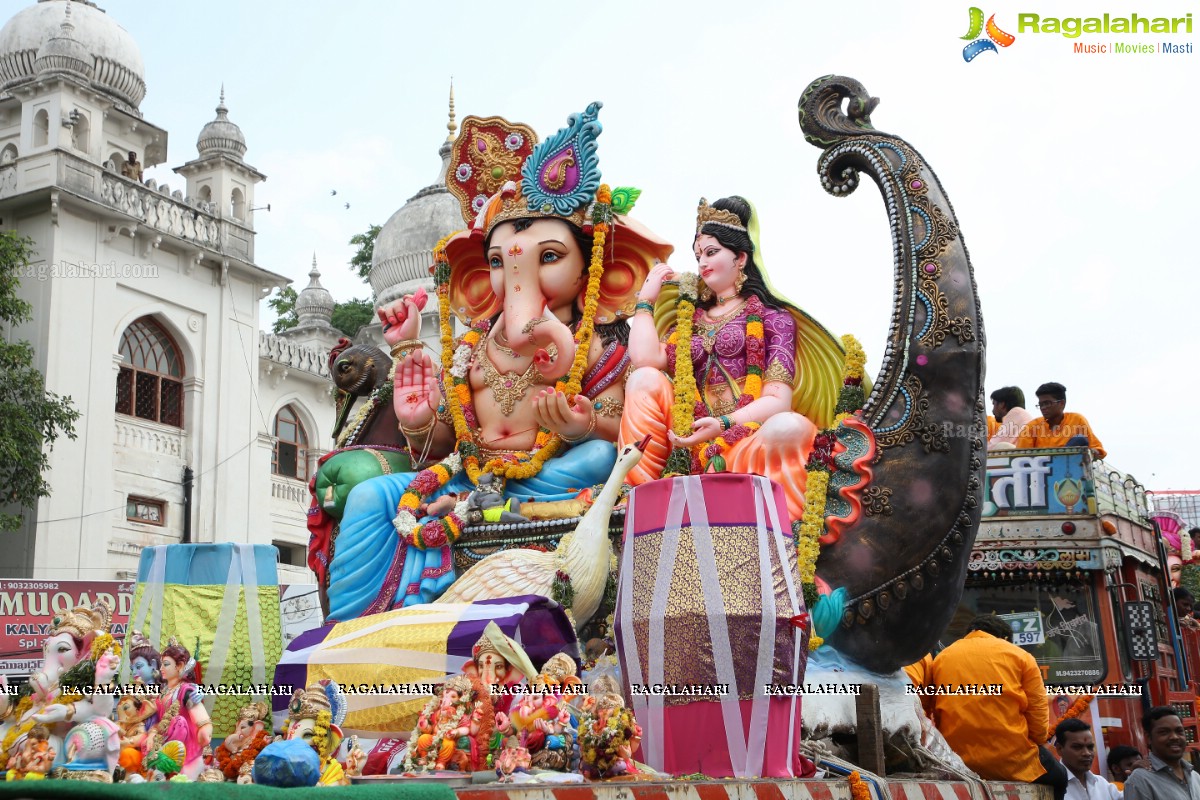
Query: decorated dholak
[221,601]
[709,599]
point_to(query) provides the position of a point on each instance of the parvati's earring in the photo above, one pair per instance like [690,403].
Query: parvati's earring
[740,282]
[706,293]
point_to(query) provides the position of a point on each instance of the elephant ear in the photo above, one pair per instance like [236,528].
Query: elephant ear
[632,251]
[820,360]
[471,295]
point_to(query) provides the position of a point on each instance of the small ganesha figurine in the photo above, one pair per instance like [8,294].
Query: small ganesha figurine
[608,737]
[453,730]
[540,721]
[34,759]
[251,735]
[315,716]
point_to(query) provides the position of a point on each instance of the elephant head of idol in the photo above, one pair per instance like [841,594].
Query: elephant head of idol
[547,244]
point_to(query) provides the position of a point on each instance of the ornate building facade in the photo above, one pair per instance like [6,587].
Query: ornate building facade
[146,313]
[196,425]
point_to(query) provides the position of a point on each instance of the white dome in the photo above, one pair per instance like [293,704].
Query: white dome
[64,53]
[404,247]
[221,136]
[314,305]
[116,61]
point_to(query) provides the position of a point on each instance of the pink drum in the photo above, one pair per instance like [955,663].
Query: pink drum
[709,626]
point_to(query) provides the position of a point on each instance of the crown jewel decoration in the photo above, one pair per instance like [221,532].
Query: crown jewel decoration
[707,215]
[82,620]
[487,154]
[563,173]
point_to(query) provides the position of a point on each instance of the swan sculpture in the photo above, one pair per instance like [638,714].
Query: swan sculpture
[583,554]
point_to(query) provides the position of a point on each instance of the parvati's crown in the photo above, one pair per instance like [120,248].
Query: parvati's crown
[707,215]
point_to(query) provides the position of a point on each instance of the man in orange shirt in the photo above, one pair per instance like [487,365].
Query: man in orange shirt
[1001,737]
[1058,428]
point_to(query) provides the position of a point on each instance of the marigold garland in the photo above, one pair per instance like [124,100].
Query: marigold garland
[231,763]
[821,465]
[683,409]
[1077,708]
[320,737]
[858,787]
[455,365]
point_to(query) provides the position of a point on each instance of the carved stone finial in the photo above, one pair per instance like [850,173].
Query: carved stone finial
[451,125]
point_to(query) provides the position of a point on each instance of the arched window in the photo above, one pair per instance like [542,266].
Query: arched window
[238,206]
[150,383]
[291,446]
[9,154]
[81,134]
[41,128]
[206,194]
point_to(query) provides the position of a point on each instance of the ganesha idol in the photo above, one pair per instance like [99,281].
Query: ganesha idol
[78,652]
[533,392]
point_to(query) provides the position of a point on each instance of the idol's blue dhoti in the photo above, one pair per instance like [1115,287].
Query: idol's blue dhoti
[370,573]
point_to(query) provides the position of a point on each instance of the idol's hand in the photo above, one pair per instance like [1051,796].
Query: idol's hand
[654,281]
[704,429]
[401,319]
[415,393]
[569,420]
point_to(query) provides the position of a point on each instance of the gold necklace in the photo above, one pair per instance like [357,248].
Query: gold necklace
[708,330]
[508,387]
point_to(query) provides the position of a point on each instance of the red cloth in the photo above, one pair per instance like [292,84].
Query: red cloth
[694,740]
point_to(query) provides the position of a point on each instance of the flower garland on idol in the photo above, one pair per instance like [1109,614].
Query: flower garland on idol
[820,467]
[689,401]
[456,364]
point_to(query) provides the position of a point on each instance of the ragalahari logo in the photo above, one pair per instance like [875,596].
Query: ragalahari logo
[994,37]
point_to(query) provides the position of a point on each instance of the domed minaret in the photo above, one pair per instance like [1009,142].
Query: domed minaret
[314,308]
[63,53]
[219,175]
[404,247]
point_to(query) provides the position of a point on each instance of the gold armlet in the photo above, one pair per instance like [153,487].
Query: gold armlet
[609,406]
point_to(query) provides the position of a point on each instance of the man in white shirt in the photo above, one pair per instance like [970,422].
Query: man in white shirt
[1077,748]
[1008,407]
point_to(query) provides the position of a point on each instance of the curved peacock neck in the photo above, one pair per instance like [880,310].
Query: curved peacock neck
[903,555]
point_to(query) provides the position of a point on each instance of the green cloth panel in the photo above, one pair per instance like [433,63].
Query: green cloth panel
[225,791]
[192,611]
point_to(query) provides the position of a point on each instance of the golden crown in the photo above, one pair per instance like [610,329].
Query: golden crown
[138,640]
[559,666]
[707,215]
[81,620]
[254,712]
[485,645]
[459,683]
[309,703]
[512,204]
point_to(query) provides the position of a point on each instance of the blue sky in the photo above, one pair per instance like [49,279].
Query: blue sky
[1072,175]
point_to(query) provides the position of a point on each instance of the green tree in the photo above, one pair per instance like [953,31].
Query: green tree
[284,305]
[31,418]
[360,263]
[348,317]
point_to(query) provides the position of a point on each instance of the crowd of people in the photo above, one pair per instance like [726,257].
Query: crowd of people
[1006,736]
[1010,425]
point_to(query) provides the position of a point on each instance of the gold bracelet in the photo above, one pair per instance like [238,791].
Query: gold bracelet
[411,344]
[591,428]
[420,431]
